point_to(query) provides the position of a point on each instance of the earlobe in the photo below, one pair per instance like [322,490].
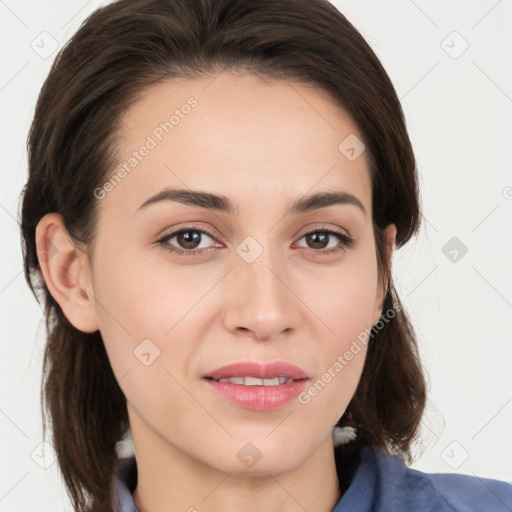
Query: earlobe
[66,272]
[391,240]
[390,233]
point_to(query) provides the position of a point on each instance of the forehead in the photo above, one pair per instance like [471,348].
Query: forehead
[237,135]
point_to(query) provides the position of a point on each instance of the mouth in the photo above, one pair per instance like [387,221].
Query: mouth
[260,387]
[255,381]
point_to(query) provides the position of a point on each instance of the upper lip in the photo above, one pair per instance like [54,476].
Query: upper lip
[261,371]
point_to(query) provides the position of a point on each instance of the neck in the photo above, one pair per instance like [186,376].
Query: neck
[168,479]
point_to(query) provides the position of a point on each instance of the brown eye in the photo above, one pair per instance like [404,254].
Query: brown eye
[319,240]
[188,241]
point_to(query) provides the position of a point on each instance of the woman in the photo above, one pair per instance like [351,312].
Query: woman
[216,188]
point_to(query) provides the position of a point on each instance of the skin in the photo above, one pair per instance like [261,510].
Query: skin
[263,145]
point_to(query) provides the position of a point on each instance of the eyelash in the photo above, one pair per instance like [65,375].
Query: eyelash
[346,241]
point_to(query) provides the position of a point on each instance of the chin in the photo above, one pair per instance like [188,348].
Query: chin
[280,465]
[262,456]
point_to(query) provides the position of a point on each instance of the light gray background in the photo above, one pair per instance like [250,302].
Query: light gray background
[458,107]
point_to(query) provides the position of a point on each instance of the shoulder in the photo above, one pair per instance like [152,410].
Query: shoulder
[442,492]
[385,483]
[471,493]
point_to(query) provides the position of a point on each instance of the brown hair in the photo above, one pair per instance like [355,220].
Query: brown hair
[130,45]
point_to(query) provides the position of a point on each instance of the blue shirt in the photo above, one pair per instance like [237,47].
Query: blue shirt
[375,481]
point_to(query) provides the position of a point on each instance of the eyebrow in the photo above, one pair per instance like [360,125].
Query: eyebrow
[224,204]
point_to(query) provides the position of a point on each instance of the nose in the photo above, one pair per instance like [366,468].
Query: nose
[263,301]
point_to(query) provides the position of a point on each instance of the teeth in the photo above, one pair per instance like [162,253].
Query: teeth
[254,381]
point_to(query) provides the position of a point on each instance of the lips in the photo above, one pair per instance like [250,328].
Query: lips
[260,371]
[260,387]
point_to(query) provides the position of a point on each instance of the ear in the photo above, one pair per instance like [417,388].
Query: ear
[390,236]
[66,272]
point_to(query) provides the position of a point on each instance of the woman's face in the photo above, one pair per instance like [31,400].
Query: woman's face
[261,284]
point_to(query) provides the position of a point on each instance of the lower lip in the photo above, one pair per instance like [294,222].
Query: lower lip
[258,398]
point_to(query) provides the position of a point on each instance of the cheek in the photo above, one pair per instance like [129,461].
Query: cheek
[344,302]
[135,313]
[145,312]
[343,297]
[126,306]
